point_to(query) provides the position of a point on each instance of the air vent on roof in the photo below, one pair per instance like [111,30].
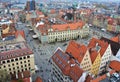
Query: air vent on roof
[72,65]
[68,61]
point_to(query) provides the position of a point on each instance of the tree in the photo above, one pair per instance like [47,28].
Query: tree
[4,76]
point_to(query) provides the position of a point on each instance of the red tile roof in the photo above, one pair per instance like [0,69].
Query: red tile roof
[21,32]
[111,21]
[67,65]
[71,26]
[52,11]
[25,78]
[11,30]
[76,50]
[98,79]
[115,65]
[116,38]
[38,79]
[75,73]
[43,29]
[13,53]
[98,45]
[39,12]
[93,55]
[88,79]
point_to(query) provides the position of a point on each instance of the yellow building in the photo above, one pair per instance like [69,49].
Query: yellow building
[100,53]
[16,57]
[96,59]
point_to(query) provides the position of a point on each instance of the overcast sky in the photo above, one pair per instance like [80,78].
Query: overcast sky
[72,0]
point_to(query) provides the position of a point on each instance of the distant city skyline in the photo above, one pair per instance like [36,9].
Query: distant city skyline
[74,0]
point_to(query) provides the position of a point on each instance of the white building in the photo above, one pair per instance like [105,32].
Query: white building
[62,32]
[16,57]
[105,59]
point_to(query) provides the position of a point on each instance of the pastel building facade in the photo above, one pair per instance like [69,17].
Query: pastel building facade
[16,57]
[62,32]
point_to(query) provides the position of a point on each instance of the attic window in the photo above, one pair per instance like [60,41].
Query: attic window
[97,47]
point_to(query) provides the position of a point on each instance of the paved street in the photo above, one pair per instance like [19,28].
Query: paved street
[43,52]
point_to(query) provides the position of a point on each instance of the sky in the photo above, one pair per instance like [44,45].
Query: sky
[72,0]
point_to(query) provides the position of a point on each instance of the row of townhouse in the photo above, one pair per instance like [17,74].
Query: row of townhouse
[61,32]
[93,58]
[111,24]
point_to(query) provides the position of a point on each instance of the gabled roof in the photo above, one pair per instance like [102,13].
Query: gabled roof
[116,38]
[71,26]
[114,45]
[93,55]
[21,32]
[98,45]
[115,65]
[76,50]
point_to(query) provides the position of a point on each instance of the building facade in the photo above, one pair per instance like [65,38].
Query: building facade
[65,69]
[62,32]
[16,57]
[95,63]
[100,52]
[105,59]
[81,54]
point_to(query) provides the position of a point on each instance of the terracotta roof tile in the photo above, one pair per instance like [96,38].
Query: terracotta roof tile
[114,45]
[62,60]
[21,32]
[38,79]
[75,73]
[76,50]
[102,77]
[18,50]
[8,30]
[39,12]
[98,45]
[93,55]
[116,38]
[71,26]
[43,29]
[25,76]
[67,65]
[115,65]
[88,79]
